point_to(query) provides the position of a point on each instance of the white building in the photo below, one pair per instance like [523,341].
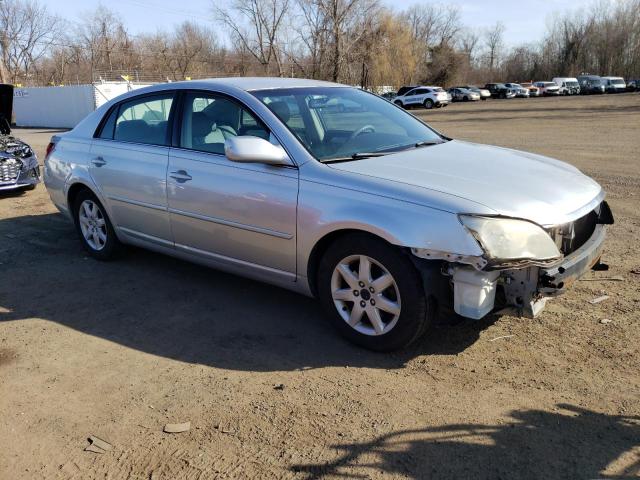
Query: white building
[63,107]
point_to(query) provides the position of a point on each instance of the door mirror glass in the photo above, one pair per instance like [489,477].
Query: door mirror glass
[249,149]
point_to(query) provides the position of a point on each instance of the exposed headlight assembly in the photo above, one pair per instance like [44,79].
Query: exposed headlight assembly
[506,240]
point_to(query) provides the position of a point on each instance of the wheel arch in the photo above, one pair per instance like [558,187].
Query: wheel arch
[323,244]
[73,191]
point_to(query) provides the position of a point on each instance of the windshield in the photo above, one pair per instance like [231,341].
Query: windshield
[335,122]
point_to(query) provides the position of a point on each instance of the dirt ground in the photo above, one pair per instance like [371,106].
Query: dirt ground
[118,350]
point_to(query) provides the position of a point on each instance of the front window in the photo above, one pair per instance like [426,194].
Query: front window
[208,120]
[337,123]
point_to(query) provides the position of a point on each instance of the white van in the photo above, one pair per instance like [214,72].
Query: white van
[568,85]
[614,84]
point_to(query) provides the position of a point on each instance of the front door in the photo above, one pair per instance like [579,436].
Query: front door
[241,214]
[128,163]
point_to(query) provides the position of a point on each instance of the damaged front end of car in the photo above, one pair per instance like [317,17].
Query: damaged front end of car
[19,169]
[523,264]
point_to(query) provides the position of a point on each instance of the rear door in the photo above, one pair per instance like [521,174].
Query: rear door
[238,214]
[129,165]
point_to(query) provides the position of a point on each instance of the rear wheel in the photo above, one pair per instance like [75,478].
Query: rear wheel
[373,293]
[428,104]
[94,227]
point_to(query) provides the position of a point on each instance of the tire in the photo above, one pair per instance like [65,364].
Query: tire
[465,99]
[399,103]
[28,188]
[411,311]
[428,104]
[88,213]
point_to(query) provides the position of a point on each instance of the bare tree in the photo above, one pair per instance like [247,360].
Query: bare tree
[494,43]
[256,25]
[27,33]
[103,37]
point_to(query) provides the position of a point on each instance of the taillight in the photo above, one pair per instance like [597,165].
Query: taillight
[50,148]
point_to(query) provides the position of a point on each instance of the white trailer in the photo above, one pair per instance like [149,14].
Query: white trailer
[63,107]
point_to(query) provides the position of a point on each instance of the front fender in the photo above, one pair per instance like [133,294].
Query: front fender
[325,209]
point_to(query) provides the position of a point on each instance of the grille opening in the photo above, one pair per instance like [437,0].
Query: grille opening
[9,169]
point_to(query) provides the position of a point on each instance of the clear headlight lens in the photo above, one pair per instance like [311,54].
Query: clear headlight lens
[508,239]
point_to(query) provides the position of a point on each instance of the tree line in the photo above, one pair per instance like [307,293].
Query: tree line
[357,42]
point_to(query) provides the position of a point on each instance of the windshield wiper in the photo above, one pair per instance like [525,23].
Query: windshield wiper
[426,143]
[355,156]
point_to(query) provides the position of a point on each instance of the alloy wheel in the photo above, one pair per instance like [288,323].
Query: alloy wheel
[92,224]
[366,295]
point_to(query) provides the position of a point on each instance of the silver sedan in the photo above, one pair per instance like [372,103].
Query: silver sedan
[332,192]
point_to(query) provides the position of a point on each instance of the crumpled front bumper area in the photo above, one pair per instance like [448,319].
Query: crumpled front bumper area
[555,281]
[525,291]
[16,173]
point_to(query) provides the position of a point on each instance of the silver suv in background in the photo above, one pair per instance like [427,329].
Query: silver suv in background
[547,88]
[518,89]
[424,96]
[329,191]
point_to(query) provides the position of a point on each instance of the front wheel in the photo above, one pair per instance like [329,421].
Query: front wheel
[373,293]
[94,227]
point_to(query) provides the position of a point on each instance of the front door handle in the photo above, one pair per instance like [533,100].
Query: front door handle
[99,161]
[180,176]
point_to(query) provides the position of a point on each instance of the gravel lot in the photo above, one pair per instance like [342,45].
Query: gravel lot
[118,350]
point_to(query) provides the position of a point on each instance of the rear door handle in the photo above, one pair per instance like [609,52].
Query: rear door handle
[180,176]
[99,161]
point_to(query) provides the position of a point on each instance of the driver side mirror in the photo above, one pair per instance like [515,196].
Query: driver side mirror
[249,149]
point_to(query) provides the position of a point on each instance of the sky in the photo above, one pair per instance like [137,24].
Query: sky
[525,21]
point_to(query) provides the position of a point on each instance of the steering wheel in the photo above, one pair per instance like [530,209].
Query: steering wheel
[360,131]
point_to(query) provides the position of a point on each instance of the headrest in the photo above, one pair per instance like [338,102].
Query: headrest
[281,109]
[200,124]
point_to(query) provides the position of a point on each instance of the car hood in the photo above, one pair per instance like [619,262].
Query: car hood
[509,182]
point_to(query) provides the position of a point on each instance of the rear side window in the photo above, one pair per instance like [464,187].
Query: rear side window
[109,125]
[144,120]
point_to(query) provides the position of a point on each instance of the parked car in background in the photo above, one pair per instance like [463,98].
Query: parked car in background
[425,96]
[19,169]
[548,89]
[518,89]
[533,90]
[614,84]
[500,90]
[328,191]
[459,94]
[405,89]
[483,92]
[389,95]
[568,85]
[633,85]
[590,84]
